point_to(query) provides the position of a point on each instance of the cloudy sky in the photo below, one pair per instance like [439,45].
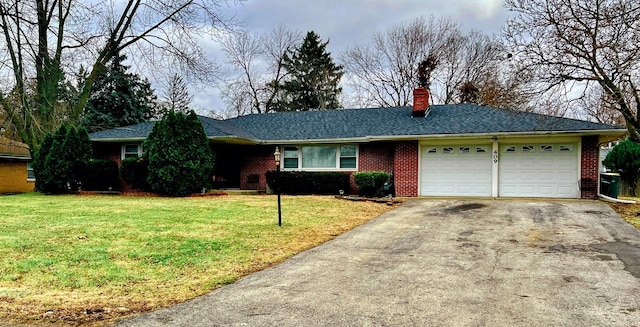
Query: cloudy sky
[347,22]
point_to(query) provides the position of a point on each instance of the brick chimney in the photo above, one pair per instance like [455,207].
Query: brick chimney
[420,102]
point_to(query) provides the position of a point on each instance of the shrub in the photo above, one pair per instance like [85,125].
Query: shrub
[624,159]
[101,175]
[134,171]
[180,158]
[370,183]
[300,182]
[61,160]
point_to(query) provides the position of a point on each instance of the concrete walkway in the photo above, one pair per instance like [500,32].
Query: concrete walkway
[444,263]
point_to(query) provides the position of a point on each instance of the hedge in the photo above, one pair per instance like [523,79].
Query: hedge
[101,175]
[370,183]
[301,183]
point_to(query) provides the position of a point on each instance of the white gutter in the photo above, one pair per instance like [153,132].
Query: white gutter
[610,199]
[364,139]
[438,136]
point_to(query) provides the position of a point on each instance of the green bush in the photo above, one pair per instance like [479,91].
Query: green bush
[180,158]
[300,182]
[624,159]
[135,171]
[61,160]
[101,175]
[370,183]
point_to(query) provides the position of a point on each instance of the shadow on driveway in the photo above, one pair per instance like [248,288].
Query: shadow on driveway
[444,263]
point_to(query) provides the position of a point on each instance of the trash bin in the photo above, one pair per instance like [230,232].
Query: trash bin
[610,184]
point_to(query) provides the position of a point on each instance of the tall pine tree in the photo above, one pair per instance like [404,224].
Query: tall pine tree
[119,98]
[313,78]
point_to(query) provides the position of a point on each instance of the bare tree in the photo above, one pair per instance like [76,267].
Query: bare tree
[385,72]
[176,96]
[581,43]
[257,60]
[597,105]
[43,41]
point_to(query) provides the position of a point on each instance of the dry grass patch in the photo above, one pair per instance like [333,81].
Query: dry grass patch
[629,212]
[90,259]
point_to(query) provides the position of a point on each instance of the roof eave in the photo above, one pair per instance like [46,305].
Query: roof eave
[373,138]
[14,157]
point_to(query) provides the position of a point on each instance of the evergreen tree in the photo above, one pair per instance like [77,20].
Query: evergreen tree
[180,160]
[119,98]
[313,78]
[61,160]
[624,158]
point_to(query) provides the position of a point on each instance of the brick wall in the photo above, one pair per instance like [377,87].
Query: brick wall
[589,167]
[14,177]
[406,168]
[374,157]
[259,160]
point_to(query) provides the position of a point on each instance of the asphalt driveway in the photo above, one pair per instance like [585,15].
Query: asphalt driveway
[444,263]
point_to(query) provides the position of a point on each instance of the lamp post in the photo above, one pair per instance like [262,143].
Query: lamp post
[276,156]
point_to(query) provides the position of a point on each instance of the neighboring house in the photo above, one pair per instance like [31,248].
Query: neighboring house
[16,175]
[439,150]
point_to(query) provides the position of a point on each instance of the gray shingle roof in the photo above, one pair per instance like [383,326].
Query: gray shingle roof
[378,123]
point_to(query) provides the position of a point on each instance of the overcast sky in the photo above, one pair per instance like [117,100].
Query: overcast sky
[347,22]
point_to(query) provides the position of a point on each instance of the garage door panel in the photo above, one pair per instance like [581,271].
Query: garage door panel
[466,171]
[546,170]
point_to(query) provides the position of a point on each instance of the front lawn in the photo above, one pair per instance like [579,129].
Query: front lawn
[91,259]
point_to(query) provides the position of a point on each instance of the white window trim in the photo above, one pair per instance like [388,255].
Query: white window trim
[123,148]
[30,168]
[336,168]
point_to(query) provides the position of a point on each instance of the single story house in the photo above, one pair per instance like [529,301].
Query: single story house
[431,150]
[16,174]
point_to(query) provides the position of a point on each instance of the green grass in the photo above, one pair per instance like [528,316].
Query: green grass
[65,258]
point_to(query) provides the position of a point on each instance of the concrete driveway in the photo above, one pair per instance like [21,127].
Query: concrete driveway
[444,263]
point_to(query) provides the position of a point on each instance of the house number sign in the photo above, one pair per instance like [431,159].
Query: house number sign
[495,156]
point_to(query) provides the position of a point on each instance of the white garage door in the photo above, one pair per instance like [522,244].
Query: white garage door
[539,170]
[460,170]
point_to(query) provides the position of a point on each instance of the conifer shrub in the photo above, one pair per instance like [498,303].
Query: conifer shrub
[624,159]
[135,171]
[61,161]
[179,156]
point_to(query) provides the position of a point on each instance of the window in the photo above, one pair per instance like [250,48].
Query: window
[432,150]
[131,151]
[290,157]
[527,148]
[464,149]
[30,175]
[447,150]
[511,149]
[546,148]
[481,149]
[348,156]
[565,148]
[321,157]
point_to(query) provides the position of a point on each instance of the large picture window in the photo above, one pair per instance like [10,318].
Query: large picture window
[321,157]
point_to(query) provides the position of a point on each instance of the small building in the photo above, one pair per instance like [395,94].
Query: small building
[16,174]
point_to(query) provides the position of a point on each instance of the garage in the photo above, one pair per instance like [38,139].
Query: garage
[539,170]
[455,170]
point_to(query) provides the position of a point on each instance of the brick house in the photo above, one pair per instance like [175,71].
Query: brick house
[431,150]
[16,175]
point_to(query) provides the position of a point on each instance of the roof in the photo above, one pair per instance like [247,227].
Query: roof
[10,149]
[375,124]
